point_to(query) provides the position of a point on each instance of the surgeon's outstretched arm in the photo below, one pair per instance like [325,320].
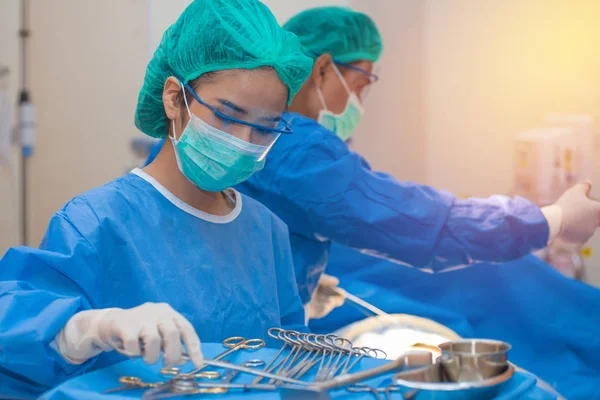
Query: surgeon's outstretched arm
[339,197]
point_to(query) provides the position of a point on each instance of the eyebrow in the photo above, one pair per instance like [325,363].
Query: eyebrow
[243,111]
[270,119]
[233,106]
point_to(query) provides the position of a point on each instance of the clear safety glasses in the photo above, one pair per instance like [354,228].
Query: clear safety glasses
[229,119]
[373,77]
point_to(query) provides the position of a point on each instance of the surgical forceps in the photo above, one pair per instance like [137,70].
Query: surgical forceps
[301,358]
[234,343]
[332,353]
[185,385]
[133,382]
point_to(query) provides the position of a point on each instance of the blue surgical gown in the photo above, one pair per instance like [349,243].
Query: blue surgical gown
[324,192]
[131,242]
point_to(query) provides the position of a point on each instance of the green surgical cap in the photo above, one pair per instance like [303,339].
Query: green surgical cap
[216,35]
[347,35]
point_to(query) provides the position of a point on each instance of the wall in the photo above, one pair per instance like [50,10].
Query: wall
[9,178]
[88,61]
[285,9]
[163,13]
[391,134]
[494,68]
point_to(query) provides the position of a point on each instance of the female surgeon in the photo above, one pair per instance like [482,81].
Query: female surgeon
[326,193]
[168,254]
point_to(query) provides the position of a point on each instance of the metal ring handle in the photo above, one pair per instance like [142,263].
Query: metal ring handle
[253,344]
[382,352]
[272,334]
[233,341]
[207,375]
[170,371]
[345,346]
[130,380]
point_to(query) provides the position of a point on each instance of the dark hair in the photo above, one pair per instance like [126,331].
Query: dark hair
[210,77]
[204,78]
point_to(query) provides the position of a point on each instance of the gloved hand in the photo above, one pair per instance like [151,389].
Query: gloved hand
[156,325]
[574,217]
[326,298]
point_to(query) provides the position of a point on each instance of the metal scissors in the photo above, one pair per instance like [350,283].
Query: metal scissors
[234,343]
[375,391]
[186,386]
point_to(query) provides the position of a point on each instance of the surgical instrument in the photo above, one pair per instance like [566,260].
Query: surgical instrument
[316,390]
[303,392]
[375,391]
[234,343]
[227,365]
[331,353]
[174,371]
[346,380]
[230,374]
[132,383]
[357,301]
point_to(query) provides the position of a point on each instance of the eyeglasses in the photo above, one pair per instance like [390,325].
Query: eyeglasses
[372,77]
[260,134]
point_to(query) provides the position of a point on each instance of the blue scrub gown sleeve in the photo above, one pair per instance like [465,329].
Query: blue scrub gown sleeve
[330,192]
[40,289]
[291,308]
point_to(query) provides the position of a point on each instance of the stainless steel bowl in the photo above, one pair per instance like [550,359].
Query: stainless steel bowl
[424,384]
[474,360]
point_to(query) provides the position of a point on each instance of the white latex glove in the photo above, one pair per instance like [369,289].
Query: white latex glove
[574,217]
[156,325]
[325,299]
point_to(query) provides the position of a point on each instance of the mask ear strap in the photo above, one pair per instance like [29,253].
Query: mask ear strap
[185,100]
[174,135]
[321,98]
[186,106]
[339,75]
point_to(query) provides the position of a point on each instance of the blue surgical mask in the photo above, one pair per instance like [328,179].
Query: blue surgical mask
[344,124]
[214,160]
